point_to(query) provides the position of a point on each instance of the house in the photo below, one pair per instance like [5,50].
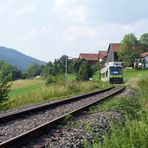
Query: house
[93,56]
[89,56]
[144,58]
[102,55]
[113,49]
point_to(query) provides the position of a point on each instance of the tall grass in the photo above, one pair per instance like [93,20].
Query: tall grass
[141,85]
[129,74]
[134,134]
[36,93]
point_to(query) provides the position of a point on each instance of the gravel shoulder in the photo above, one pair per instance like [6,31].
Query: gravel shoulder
[84,127]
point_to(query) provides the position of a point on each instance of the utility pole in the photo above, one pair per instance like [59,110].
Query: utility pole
[66,70]
[100,65]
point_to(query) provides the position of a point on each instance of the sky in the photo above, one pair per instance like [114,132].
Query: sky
[48,29]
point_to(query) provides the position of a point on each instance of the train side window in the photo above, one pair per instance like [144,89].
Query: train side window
[103,75]
[106,73]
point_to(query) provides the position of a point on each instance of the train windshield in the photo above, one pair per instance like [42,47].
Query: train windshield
[115,70]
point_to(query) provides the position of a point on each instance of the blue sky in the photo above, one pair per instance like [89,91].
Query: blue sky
[47,29]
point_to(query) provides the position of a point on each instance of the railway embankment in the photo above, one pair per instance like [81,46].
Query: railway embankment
[17,127]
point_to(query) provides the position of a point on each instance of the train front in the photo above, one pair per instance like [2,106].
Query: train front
[116,74]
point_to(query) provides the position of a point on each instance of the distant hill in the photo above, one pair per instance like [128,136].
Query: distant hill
[18,59]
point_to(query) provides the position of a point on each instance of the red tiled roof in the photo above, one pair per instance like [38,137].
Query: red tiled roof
[89,56]
[144,54]
[114,46]
[102,54]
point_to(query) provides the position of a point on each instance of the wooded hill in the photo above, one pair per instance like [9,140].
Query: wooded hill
[21,61]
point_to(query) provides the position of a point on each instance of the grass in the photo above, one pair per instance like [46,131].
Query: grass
[128,74]
[27,92]
[20,87]
[71,77]
[133,135]
[135,131]
[134,74]
[96,76]
[130,106]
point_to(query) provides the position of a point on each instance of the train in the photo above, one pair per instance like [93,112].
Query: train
[112,72]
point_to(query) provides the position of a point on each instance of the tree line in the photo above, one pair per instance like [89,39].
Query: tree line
[81,68]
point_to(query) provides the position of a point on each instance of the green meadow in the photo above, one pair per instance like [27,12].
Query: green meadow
[132,74]
[29,92]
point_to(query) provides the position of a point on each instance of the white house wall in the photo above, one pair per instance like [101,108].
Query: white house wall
[146,61]
[110,55]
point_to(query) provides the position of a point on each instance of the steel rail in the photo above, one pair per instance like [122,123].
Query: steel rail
[19,140]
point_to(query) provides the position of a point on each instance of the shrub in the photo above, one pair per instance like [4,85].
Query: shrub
[134,134]
[4,90]
[59,79]
[130,106]
[50,80]
[85,72]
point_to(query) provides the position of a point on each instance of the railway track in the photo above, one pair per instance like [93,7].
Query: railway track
[19,126]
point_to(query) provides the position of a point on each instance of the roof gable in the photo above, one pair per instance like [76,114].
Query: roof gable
[144,54]
[102,54]
[114,46]
[89,56]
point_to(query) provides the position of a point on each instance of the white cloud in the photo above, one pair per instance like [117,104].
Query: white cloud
[99,36]
[80,14]
[24,11]
[39,33]
[73,9]
[16,8]
[77,32]
[62,3]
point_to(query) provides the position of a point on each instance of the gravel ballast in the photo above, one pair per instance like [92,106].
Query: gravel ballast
[85,127]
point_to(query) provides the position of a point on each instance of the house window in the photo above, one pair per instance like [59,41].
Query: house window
[116,58]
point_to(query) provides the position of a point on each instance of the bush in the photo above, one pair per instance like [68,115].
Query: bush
[59,79]
[133,135]
[85,72]
[50,80]
[130,106]
[4,90]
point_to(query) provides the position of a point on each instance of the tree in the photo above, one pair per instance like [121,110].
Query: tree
[4,90]
[55,68]
[62,63]
[144,42]
[59,65]
[85,71]
[130,49]
[35,70]
[48,70]
[144,39]
[9,71]
[75,65]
